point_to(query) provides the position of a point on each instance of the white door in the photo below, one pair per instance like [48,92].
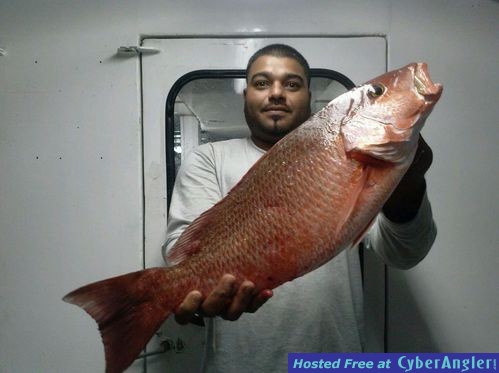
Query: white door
[358,58]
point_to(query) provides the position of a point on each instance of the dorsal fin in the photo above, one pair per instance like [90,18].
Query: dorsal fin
[189,243]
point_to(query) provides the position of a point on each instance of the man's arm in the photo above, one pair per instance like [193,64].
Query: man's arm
[404,203]
[405,231]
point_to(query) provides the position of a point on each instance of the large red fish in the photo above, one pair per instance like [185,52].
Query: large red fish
[311,196]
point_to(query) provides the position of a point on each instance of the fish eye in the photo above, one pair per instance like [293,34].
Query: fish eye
[376,90]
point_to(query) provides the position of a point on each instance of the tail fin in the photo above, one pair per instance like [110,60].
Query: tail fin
[128,311]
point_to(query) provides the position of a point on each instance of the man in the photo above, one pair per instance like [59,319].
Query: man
[321,311]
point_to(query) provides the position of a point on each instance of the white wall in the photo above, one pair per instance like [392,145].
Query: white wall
[70,178]
[452,297]
[70,216]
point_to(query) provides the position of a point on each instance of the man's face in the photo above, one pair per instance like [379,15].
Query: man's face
[277,99]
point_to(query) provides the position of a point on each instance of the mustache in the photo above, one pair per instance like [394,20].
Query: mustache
[272,107]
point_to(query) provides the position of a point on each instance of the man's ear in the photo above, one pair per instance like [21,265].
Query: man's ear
[244,92]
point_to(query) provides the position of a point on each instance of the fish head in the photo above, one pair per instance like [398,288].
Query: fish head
[387,113]
[403,95]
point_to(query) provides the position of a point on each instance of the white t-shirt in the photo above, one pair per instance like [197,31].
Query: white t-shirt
[319,312]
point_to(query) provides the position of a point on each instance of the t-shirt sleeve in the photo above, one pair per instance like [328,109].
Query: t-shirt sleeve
[196,190]
[403,245]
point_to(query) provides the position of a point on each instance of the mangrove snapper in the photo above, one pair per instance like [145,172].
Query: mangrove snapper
[312,195]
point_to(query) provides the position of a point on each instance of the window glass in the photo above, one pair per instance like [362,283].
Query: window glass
[211,109]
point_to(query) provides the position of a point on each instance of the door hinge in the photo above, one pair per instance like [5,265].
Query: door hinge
[166,345]
[136,51]
[2,52]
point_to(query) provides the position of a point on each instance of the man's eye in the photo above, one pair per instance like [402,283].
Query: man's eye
[261,83]
[293,85]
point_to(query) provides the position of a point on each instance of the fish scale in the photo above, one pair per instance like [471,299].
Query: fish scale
[308,198]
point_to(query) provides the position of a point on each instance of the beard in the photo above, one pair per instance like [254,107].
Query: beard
[270,133]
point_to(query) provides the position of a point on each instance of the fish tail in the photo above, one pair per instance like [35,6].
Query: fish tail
[128,310]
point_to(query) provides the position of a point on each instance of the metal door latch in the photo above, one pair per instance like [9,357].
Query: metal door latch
[2,52]
[136,51]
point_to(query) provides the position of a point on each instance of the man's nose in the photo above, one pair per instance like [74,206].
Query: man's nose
[276,91]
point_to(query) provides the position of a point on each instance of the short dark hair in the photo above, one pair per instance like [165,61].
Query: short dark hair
[280,50]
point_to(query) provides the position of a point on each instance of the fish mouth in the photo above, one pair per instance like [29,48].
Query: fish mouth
[424,85]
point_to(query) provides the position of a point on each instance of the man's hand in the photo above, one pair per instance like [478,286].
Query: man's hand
[226,300]
[421,163]
[404,203]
